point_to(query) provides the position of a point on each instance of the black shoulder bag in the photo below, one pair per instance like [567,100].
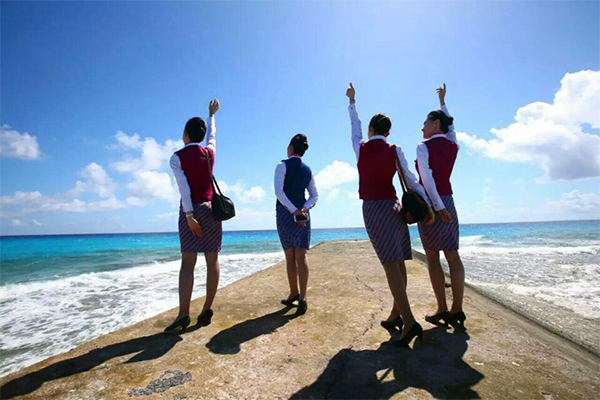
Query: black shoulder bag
[414,207]
[222,206]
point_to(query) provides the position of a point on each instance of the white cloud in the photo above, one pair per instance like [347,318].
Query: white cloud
[333,193]
[231,190]
[256,194]
[154,156]
[78,206]
[22,198]
[335,174]
[18,145]
[551,136]
[152,184]
[16,222]
[578,202]
[36,222]
[96,181]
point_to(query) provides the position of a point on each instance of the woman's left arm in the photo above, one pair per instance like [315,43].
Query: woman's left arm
[411,180]
[312,193]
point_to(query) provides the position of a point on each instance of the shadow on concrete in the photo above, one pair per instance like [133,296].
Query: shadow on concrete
[147,348]
[229,340]
[434,365]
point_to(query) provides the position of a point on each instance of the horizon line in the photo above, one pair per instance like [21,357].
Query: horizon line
[267,230]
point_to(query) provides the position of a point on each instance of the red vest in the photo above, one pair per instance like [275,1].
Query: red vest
[442,155]
[194,165]
[376,169]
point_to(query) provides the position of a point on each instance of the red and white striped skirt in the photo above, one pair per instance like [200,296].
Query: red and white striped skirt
[387,230]
[210,241]
[441,235]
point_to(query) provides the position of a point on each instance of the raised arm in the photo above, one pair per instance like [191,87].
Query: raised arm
[451,135]
[357,136]
[211,129]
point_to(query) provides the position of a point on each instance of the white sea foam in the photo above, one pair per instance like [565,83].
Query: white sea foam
[61,314]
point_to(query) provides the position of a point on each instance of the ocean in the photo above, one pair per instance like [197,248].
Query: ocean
[57,292]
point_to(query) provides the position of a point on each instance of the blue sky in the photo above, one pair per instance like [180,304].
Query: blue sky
[81,80]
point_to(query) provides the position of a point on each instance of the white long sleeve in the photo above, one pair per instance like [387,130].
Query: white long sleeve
[357,136]
[279,193]
[451,135]
[211,134]
[411,180]
[427,177]
[313,195]
[182,183]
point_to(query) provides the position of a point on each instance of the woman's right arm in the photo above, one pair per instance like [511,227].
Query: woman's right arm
[357,136]
[182,183]
[279,193]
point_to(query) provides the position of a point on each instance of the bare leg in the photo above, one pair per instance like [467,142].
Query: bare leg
[436,275]
[302,264]
[457,277]
[292,271]
[186,282]
[395,313]
[212,279]
[398,288]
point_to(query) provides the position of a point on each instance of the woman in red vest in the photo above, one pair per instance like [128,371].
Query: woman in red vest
[199,231]
[381,211]
[436,156]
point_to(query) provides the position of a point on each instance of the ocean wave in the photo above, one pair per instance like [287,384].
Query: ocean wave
[63,313]
[541,250]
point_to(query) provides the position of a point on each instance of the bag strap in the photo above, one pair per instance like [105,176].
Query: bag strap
[400,172]
[213,181]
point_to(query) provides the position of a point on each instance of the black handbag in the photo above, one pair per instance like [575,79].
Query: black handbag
[222,206]
[414,207]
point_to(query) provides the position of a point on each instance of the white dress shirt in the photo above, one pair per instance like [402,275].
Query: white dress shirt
[175,163]
[280,194]
[357,140]
[425,171]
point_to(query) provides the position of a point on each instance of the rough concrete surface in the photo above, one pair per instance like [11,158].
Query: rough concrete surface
[255,348]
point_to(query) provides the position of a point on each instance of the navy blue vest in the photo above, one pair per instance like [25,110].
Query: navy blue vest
[297,178]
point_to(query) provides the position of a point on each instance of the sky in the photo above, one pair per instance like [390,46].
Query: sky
[95,95]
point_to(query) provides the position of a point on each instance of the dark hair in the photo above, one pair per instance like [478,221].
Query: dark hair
[300,144]
[196,129]
[445,121]
[381,123]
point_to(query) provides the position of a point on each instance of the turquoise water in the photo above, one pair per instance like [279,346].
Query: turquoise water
[65,290]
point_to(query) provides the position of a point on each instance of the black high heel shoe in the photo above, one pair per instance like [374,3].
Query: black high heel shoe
[302,307]
[415,331]
[290,302]
[436,318]
[390,325]
[459,318]
[182,323]
[205,317]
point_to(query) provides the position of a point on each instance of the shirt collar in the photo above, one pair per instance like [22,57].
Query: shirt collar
[192,144]
[435,136]
[381,137]
[295,156]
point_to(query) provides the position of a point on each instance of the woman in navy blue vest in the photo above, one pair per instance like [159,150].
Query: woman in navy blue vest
[292,179]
